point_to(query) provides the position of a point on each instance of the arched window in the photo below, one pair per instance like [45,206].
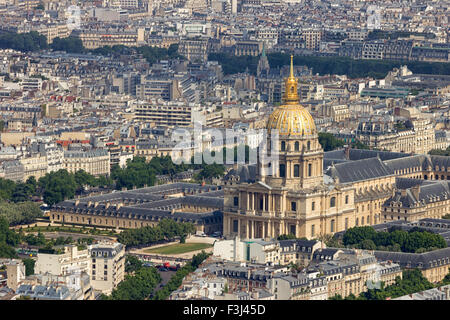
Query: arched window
[308,145]
[297,146]
[296,170]
[309,170]
[283,146]
[333,202]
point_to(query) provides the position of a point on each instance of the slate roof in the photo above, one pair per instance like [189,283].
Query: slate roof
[424,260]
[44,292]
[405,183]
[432,192]
[420,161]
[359,170]
[150,204]
[441,161]
[359,154]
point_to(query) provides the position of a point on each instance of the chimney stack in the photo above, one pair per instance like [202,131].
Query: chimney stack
[347,151]
[416,191]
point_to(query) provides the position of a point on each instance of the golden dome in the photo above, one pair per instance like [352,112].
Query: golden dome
[291,118]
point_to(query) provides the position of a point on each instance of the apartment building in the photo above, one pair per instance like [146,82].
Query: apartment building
[95,38]
[95,162]
[70,259]
[108,266]
[165,114]
[34,165]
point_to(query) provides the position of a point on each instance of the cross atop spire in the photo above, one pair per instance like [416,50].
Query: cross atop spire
[292,67]
[291,93]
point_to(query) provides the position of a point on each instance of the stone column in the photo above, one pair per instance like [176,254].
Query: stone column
[253,229]
[273,229]
[239,227]
[263,229]
[248,201]
[246,229]
[264,202]
[231,225]
[240,200]
[225,226]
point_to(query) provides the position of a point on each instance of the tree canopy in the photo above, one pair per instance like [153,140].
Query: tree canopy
[165,230]
[415,240]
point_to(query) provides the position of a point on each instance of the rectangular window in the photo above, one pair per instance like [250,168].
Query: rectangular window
[293,230]
[332,226]
[282,170]
[294,206]
[296,170]
[346,199]
[346,223]
[236,201]
[309,170]
[313,206]
[312,231]
[235,226]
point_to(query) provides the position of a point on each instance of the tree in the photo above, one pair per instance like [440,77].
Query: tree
[20,213]
[367,244]
[357,234]
[7,188]
[70,44]
[286,236]
[440,152]
[57,186]
[29,266]
[210,171]
[329,142]
[132,264]
[82,178]
[136,287]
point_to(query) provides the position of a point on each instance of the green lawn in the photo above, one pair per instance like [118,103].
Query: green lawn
[179,248]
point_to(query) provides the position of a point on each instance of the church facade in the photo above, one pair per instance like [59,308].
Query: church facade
[297,197]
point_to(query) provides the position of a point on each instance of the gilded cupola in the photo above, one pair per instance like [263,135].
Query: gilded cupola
[291,118]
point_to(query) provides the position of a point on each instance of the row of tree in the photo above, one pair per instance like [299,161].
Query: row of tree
[415,240]
[60,185]
[10,240]
[139,173]
[33,41]
[25,42]
[53,187]
[167,229]
[329,142]
[328,65]
[19,213]
[440,152]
